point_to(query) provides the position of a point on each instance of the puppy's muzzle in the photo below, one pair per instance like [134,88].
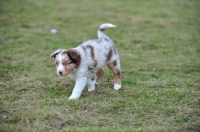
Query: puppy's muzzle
[60,72]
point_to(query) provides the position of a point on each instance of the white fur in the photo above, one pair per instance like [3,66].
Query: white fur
[78,89]
[107,25]
[91,85]
[60,67]
[117,86]
[103,27]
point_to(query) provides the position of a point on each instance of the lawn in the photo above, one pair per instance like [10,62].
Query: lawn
[159,46]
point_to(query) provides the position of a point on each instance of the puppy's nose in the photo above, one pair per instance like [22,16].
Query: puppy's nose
[60,72]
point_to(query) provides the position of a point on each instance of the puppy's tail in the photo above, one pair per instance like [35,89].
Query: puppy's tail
[104,27]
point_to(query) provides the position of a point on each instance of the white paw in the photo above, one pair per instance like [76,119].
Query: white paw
[117,86]
[73,97]
[91,89]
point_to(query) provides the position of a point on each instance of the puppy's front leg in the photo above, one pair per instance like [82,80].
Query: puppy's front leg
[78,89]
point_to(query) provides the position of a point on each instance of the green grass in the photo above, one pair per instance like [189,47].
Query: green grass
[159,46]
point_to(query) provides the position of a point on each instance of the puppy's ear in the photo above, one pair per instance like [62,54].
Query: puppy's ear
[55,53]
[74,56]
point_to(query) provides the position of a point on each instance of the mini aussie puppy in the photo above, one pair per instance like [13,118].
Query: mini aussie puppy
[87,59]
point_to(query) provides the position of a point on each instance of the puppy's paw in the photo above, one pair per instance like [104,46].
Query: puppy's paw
[117,86]
[91,88]
[72,98]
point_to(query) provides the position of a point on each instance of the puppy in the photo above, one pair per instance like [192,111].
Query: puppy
[87,59]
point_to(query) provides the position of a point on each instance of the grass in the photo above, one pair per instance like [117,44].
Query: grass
[159,46]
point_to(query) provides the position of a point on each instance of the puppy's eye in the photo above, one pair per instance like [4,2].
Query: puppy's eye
[56,63]
[66,64]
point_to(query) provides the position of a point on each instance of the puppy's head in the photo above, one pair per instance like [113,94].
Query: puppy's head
[66,60]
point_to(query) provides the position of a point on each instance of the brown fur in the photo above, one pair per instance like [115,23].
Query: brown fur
[54,55]
[92,50]
[115,73]
[109,55]
[115,63]
[74,56]
[99,76]
[69,68]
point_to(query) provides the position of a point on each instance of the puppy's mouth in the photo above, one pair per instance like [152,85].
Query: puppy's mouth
[62,74]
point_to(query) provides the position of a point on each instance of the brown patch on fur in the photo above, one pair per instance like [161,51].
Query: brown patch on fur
[74,56]
[115,63]
[101,30]
[54,55]
[99,76]
[92,50]
[90,68]
[116,73]
[110,53]
[69,68]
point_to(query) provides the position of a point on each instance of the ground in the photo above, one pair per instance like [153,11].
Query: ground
[159,46]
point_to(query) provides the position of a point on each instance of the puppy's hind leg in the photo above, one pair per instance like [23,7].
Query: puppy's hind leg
[90,84]
[115,68]
[99,76]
